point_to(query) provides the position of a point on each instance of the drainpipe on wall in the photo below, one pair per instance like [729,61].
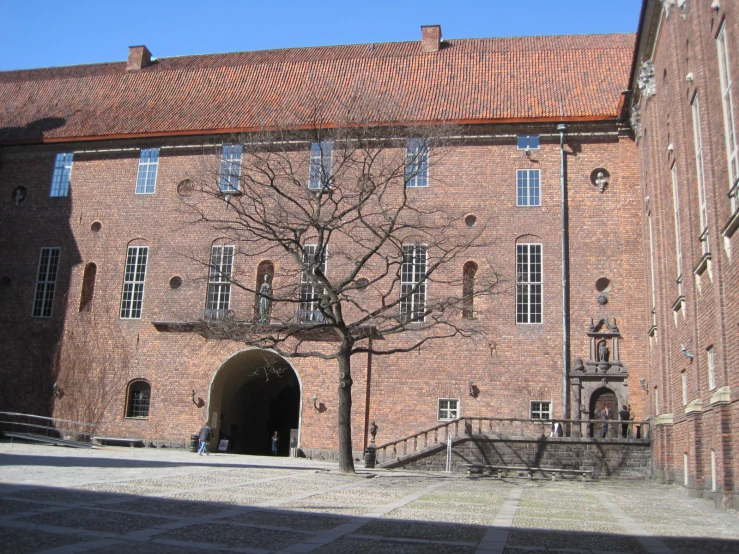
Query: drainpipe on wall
[561,128]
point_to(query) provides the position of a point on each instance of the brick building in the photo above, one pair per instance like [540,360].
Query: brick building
[98,264]
[683,115]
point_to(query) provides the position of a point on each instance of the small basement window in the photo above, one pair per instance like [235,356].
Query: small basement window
[448,409]
[541,410]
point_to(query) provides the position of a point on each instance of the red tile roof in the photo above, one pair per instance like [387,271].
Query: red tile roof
[470,80]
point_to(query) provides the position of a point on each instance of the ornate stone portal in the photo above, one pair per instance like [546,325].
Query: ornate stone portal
[602,370]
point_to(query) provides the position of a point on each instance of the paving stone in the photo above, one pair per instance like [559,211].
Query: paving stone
[167,507]
[63,496]
[417,530]
[20,541]
[701,546]
[235,535]
[95,520]
[464,518]
[292,520]
[581,541]
[149,548]
[360,546]
[15,506]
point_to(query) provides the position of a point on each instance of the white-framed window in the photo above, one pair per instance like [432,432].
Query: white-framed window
[416,163]
[656,401]
[321,160]
[48,269]
[527,187]
[713,470]
[700,174]
[132,297]
[527,142]
[684,381]
[147,177]
[727,102]
[448,409]
[541,409]
[228,179]
[528,283]
[218,298]
[710,354]
[62,174]
[676,213]
[651,269]
[310,294]
[413,282]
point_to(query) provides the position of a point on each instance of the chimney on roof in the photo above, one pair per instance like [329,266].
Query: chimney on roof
[430,38]
[138,57]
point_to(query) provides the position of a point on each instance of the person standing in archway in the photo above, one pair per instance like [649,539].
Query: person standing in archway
[275,442]
[604,417]
[204,436]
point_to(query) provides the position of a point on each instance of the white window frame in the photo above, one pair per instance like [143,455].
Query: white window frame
[713,470]
[230,173]
[540,409]
[700,174]
[686,468]
[146,179]
[62,175]
[416,163]
[527,280]
[526,139]
[218,297]
[46,276]
[727,103]
[413,286]
[310,297]
[451,413]
[711,362]
[676,213]
[134,278]
[684,382]
[528,187]
[321,163]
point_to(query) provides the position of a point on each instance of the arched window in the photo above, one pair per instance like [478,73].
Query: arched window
[139,394]
[88,287]
[265,268]
[468,289]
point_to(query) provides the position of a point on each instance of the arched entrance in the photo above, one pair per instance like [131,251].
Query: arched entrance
[253,394]
[600,399]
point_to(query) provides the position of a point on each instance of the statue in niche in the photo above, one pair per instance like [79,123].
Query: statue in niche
[579,366]
[265,292]
[601,181]
[373,431]
[602,351]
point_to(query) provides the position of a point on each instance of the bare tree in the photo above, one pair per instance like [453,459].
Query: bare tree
[356,249]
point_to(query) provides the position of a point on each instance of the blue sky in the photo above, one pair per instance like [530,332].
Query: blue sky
[41,33]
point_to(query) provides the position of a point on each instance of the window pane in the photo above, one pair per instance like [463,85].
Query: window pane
[62,174]
[132,295]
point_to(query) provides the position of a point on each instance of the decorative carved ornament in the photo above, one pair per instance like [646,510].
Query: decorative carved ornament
[635,121]
[645,80]
[600,177]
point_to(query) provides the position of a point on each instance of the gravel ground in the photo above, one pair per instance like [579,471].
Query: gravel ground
[142,501]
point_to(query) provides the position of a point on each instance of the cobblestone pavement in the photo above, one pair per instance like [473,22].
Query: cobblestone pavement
[117,501]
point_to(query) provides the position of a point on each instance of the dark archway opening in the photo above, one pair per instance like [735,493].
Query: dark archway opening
[600,399]
[255,394]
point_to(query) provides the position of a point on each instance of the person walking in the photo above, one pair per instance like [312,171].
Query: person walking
[604,417]
[624,415]
[275,442]
[204,436]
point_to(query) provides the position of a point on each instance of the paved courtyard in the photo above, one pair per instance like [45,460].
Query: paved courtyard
[118,500]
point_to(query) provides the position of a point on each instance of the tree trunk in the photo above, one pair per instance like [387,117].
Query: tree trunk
[346,460]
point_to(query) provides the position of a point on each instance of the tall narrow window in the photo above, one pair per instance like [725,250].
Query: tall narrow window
[148,164]
[139,396]
[416,163]
[310,291]
[132,297]
[219,281]
[711,369]
[528,283]
[728,106]
[48,268]
[700,175]
[228,180]
[468,290]
[527,187]
[686,469]
[321,158]
[62,175]
[412,282]
[678,246]
[651,270]
[713,470]
[88,287]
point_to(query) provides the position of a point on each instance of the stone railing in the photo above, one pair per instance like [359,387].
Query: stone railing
[47,429]
[533,428]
